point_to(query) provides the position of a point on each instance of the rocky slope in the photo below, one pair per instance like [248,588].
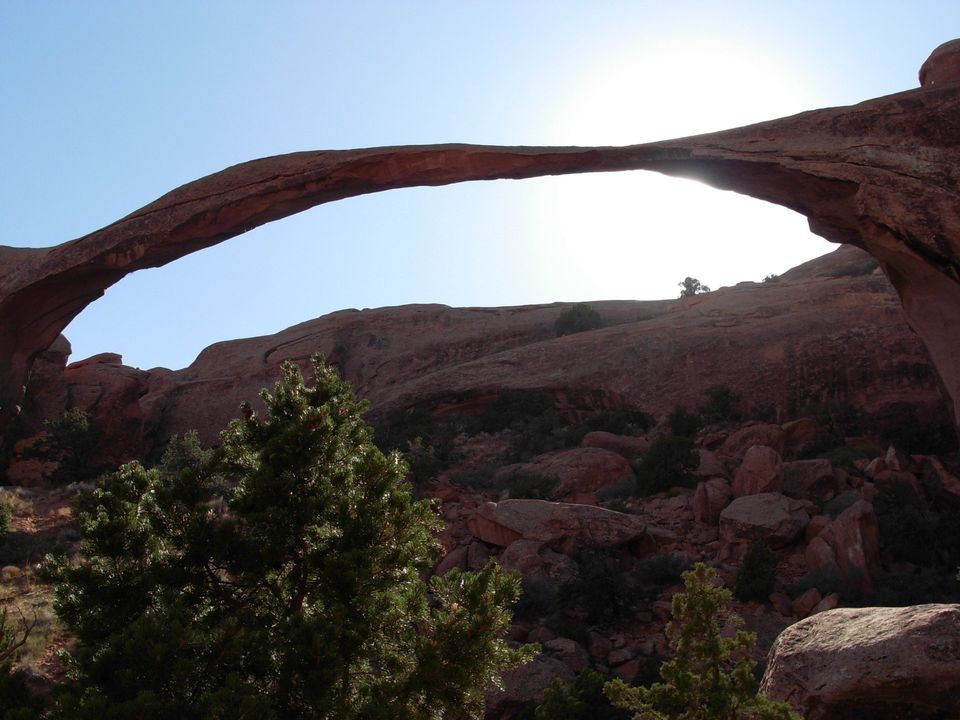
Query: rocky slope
[599,544]
[830,331]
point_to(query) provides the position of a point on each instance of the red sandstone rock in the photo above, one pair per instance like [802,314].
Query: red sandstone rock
[881,174]
[768,516]
[940,484]
[798,433]
[943,65]
[817,525]
[710,465]
[806,602]
[625,445]
[709,500]
[810,479]
[505,522]
[821,558]
[830,602]
[525,683]
[534,559]
[855,663]
[854,539]
[903,487]
[581,471]
[736,445]
[569,652]
[760,472]
[46,395]
[434,357]
[878,464]
[782,604]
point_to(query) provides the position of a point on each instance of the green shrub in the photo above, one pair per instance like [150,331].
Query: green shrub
[827,582]
[625,487]
[757,573]
[691,286]
[478,479]
[841,502]
[926,585]
[17,702]
[577,318]
[71,442]
[772,278]
[723,406]
[710,676]
[684,423]
[4,520]
[605,587]
[583,700]
[668,461]
[856,269]
[538,598]
[656,572]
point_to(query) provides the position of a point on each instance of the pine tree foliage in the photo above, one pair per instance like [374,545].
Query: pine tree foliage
[711,676]
[279,578]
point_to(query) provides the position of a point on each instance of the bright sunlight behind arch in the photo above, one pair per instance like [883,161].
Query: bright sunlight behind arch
[636,235]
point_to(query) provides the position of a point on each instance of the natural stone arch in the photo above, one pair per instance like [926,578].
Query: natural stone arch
[882,175]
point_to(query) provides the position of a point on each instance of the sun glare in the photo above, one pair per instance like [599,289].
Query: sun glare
[636,234]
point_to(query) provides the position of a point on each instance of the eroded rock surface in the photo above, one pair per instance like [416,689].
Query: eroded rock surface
[860,663]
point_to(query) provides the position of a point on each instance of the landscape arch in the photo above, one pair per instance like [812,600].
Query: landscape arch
[881,175]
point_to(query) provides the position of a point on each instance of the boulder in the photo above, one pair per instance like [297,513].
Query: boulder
[817,525]
[709,500]
[535,560]
[806,602]
[760,472]
[809,479]
[772,517]
[456,558]
[821,558]
[798,433]
[569,652]
[737,444]
[878,464]
[857,663]
[580,471]
[830,602]
[566,524]
[709,465]
[525,683]
[941,485]
[627,446]
[854,539]
[902,487]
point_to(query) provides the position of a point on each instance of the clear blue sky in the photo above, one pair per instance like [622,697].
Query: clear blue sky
[107,105]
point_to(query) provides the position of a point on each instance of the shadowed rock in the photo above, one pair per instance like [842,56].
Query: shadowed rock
[881,175]
[859,663]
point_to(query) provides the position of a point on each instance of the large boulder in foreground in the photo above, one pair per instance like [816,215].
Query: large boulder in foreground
[870,663]
[568,524]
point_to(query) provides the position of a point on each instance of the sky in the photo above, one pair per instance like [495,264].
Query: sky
[108,105]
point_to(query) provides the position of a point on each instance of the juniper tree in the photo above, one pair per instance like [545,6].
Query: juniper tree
[710,676]
[279,578]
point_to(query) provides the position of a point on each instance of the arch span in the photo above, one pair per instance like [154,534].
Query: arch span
[882,175]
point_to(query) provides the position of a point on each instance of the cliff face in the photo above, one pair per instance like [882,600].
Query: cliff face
[828,331]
